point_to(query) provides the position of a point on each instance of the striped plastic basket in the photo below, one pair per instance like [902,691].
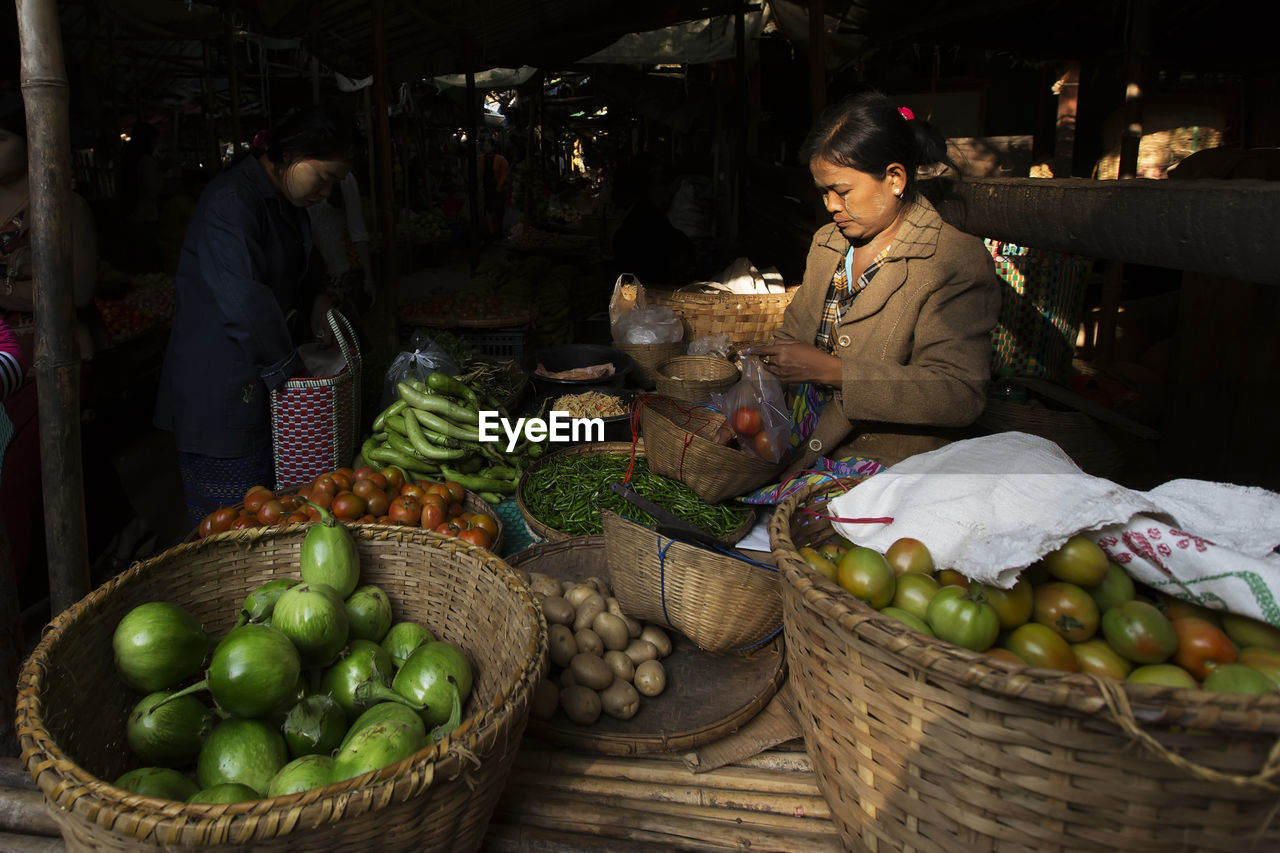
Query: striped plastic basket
[315,420]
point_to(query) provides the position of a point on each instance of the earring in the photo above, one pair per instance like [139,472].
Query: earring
[897,191]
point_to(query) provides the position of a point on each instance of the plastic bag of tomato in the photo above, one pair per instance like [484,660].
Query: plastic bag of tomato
[365,495]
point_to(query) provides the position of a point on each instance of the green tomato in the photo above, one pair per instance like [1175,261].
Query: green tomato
[1067,609]
[1094,655]
[1244,631]
[913,594]
[864,574]
[1079,561]
[1237,678]
[1139,632]
[1115,588]
[957,618]
[909,555]
[908,619]
[1013,606]
[1040,645]
[1164,674]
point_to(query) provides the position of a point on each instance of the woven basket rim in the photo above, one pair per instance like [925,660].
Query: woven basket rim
[732,371]
[67,785]
[1077,692]
[594,448]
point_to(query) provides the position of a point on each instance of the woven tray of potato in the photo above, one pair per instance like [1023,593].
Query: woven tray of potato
[623,687]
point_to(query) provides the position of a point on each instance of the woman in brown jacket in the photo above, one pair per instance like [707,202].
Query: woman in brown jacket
[889,336]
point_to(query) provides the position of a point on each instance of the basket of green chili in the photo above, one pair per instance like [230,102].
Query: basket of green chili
[561,495]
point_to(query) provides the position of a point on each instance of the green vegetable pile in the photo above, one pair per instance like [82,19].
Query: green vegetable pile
[567,492]
[314,685]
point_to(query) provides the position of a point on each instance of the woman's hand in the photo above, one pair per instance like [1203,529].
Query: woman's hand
[792,362]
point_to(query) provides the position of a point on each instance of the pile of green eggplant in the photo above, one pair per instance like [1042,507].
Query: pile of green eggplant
[317,683]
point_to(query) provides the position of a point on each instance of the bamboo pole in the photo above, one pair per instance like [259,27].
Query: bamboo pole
[386,268]
[30,844]
[57,356]
[11,645]
[23,811]
[14,775]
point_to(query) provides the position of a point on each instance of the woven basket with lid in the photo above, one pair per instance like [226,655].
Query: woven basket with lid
[918,744]
[741,316]
[72,706]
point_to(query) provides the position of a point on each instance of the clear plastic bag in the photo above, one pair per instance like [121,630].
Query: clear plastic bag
[756,410]
[425,358]
[717,345]
[634,321]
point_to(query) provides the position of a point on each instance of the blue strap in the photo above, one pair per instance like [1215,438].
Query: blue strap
[775,632]
[662,575]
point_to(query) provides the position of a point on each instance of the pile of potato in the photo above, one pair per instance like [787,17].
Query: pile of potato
[602,660]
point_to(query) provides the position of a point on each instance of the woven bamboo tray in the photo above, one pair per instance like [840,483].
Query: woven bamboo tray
[719,602]
[622,448]
[696,377]
[678,437]
[741,316]
[707,697]
[72,706]
[647,358]
[922,745]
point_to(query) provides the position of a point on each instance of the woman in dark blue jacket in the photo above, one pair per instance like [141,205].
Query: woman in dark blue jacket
[242,270]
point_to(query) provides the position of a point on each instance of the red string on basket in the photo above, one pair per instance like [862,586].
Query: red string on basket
[886,519]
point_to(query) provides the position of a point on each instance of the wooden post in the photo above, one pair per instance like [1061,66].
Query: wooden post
[11,646]
[57,354]
[233,88]
[1130,140]
[213,153]
[474,199]
[1067,89]
[817,59]
[386,266]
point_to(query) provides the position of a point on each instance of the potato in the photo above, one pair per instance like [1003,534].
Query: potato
[578,593]
[634,626]
[540,584]
[600,585]
[588,609]
[580,704]
[620,700]
[558,610]
[659,638]
[612,631]
[650,678]
[545,700]
[589,641]
[561,646]
[612,606]
[620,664]
[566,679]
[640,651]
[591,671]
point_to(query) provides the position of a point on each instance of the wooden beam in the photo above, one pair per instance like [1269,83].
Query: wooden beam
[1220,227]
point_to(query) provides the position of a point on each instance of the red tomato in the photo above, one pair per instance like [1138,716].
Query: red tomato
[909,555]
[476,536]
[1067,609]
[395,477]
[456,492]
[1202,646]
[764,447]
[432,516]
[271,512]
[746,420]
[378,503]
[256,497]
[348,506]
[405,510]
[222,518]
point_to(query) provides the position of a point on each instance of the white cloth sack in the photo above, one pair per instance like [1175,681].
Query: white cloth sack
[991,506]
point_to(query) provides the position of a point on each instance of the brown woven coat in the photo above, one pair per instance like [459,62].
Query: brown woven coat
[915,346]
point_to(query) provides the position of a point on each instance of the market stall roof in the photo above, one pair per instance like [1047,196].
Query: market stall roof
[428,38]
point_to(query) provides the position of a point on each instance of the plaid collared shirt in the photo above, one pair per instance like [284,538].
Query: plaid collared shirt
[810,398]
[840,296]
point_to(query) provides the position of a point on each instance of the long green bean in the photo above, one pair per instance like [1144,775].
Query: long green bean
[568,492]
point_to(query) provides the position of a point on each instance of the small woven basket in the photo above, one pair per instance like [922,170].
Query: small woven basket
[1079,435]
[647,358]
[918,744]
[720,602]
[695,377]
[72,705]
[677,435]
[593,449]
[741,316]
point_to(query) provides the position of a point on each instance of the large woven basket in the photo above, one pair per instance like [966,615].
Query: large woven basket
[72,706]
[921,745]
[648,358]
[720,602]
[695,377]
[1079,435]
[677,436]
[741,316]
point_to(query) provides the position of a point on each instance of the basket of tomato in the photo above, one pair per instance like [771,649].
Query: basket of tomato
[681,442]
[365,495]
[1073,711]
